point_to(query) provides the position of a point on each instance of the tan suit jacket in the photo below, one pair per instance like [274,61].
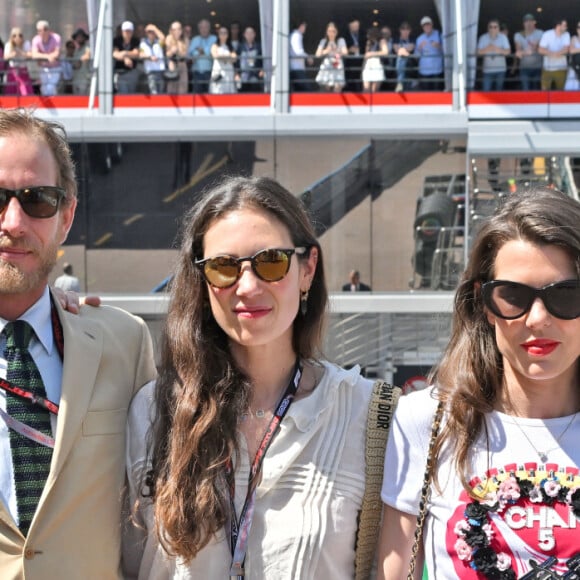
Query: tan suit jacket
[75,533]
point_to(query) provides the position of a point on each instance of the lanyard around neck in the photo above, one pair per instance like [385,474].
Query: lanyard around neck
[240,530]
[27,394]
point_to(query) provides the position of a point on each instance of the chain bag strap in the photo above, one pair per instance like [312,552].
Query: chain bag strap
[425,492]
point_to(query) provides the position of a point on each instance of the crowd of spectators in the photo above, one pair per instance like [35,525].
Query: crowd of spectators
[540,59]
[376,59]
[230,59]
[145,60]
[44,65]
[180,62]
[370,60]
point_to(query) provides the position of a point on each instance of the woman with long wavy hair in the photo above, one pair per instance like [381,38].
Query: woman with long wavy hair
[247,457]
[503,472]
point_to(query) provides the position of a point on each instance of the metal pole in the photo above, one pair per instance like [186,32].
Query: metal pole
[282,68]
[103,61]
[274,70]
[460,52]
[97,54]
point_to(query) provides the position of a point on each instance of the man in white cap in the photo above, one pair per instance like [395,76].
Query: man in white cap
[126,55]
[430,52]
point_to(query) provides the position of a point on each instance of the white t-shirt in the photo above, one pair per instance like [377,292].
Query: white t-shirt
[555,43]
[307,502]
[523,529]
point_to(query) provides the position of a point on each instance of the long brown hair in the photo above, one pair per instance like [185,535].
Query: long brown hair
[470,374]
[200,392]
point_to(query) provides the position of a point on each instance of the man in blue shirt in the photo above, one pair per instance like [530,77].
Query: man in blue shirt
[430,53]
[200,52]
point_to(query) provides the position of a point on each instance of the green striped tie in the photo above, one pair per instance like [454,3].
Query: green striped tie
[31,460]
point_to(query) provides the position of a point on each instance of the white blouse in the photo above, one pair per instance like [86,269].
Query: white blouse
[307,503]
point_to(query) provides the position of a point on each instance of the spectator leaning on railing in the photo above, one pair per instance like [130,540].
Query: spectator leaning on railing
[403,47]
[81,63]
[66,67]
[493,47]
[299,58]
[527,43]
[126,55]
[373,73]
[331,50]
[153,56]
[251,66]
[355,44]
[17,53]
[430,52]
[224,57]
[200,52]
[573,80]
[554,47]
[176,54]
[46,50]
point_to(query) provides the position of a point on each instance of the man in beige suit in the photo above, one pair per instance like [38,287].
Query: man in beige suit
[90,372]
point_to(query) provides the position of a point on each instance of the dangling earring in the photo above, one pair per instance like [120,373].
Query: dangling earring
[304,302]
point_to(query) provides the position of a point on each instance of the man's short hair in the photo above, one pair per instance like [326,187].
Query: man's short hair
[23,122]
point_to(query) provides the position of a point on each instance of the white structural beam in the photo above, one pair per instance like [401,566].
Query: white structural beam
[533,138]
[151,128]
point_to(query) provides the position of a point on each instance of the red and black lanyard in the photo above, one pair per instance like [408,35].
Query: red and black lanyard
[240,530]
[28,395]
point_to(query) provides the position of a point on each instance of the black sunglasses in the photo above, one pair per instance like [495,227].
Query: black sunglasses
[37,202]
[270,265]
[510,300]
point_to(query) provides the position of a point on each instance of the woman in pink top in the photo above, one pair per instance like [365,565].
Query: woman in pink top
[16,53]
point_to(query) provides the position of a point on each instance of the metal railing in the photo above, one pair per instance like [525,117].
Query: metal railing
[353,67]
[514,79]
[27,76]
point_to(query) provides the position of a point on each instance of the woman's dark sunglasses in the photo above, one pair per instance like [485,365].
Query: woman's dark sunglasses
[269,265]
[37,202]
[511,300]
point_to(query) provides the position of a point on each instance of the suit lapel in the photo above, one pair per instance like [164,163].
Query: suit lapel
[83,347]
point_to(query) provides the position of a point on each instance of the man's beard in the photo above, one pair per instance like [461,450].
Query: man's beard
[15,281]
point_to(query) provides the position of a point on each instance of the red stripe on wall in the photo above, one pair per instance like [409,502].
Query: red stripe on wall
[369,99]
[189,101]
[523,97]
[38,102]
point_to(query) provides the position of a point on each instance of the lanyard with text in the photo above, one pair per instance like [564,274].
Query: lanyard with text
[240,531]
[35,399]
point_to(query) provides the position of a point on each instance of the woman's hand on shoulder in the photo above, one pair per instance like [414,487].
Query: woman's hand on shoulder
[72,301]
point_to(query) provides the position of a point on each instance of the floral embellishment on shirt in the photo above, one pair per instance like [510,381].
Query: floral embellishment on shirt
[474,533]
